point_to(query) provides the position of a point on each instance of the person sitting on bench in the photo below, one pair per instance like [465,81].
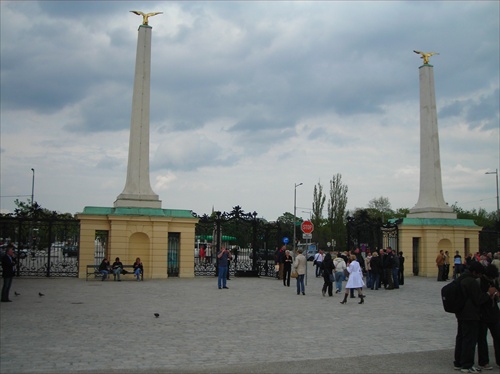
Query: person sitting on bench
[138,268]
[117,269]
[104,268]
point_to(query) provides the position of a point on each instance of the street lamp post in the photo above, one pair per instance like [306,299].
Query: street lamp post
[33,188]
[32,208]
[498,205]
[295,213]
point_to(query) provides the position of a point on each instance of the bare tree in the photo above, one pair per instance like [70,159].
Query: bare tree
[382,206]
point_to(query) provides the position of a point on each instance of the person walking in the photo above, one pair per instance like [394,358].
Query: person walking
[327,275]
[318,261]
[287,268]
[469,317]
[339,266]
[8,272]
[355,280]
[223,258]
[299,265]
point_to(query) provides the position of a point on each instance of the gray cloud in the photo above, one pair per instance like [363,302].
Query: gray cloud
[247,86]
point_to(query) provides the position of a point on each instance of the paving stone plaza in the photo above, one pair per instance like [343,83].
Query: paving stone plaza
[256,326]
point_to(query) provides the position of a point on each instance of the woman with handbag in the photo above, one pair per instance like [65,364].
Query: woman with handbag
[299,265]
[340,266]
[328,276]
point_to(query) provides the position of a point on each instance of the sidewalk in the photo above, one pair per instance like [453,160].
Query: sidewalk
[256,326]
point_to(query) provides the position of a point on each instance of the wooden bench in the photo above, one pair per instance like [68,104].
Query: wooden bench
[94,270]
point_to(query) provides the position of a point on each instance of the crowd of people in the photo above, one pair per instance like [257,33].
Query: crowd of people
[478,275]
[382,268]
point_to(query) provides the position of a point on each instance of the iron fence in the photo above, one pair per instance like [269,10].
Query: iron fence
[44,247]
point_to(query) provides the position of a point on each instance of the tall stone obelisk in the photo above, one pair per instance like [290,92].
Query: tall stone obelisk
[431,202]
[138,192]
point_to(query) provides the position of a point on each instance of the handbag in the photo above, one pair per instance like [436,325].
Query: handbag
[294,274]
[332,278]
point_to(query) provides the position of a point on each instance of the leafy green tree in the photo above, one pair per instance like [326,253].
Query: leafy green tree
[489,236]
[337,209]
[36,227]
[321,233]
[401,213]
[318,205]
[286,223]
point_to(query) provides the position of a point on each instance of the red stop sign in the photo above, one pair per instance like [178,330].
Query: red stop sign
[307,227]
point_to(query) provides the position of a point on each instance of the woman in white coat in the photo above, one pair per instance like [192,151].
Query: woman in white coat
[355,280]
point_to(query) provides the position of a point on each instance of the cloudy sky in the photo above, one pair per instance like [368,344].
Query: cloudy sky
[247,100]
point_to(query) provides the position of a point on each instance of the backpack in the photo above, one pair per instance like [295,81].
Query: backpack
[453,297]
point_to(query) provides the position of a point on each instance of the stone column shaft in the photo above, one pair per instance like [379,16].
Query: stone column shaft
[431,203]
[138,191]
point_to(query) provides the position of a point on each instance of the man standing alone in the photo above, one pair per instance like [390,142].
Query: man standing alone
[8,271]
[224,256]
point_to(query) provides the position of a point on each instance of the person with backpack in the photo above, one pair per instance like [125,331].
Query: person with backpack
[468,318]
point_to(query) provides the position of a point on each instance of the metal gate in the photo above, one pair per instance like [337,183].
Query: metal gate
[44,246]
[362,230]
[174,240]
[253,246]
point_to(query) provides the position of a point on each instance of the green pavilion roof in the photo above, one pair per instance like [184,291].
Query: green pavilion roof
[157,212]
[434,222]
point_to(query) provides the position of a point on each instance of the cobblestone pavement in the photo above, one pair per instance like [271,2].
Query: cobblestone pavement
[255,326]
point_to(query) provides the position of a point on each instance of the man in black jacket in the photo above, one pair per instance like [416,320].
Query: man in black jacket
[388,263]
[468,318]
[8,271]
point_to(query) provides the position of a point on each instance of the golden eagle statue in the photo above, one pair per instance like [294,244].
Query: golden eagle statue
[425,56]
[145,16]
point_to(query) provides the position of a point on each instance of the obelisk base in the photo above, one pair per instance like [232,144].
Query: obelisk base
[443,213]
[137,201]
